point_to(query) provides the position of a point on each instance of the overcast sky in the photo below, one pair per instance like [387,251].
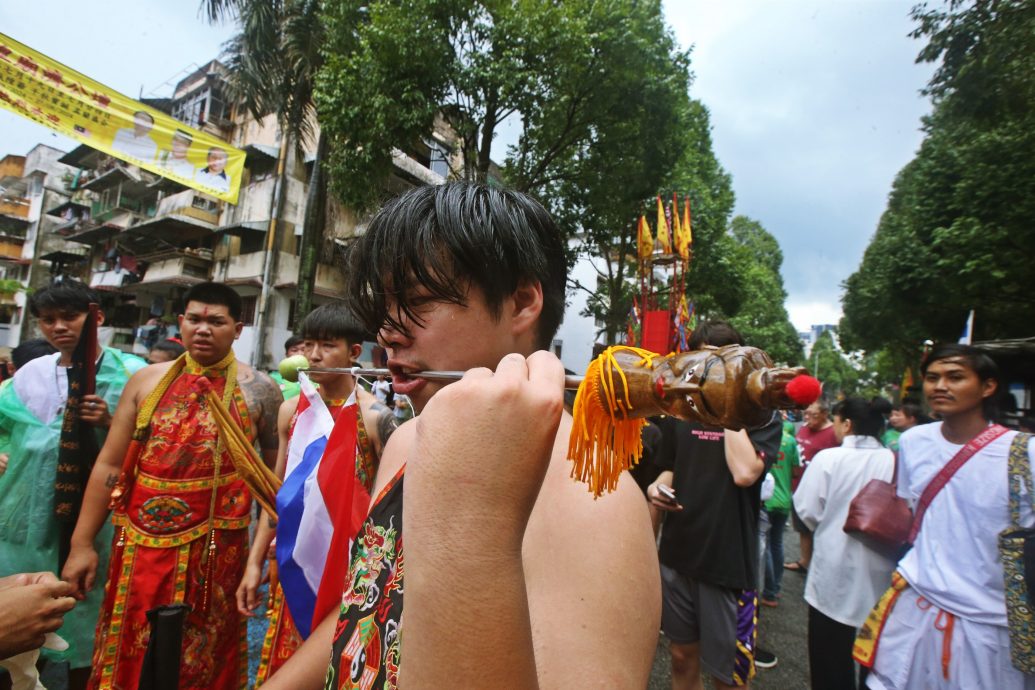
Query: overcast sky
[814,105]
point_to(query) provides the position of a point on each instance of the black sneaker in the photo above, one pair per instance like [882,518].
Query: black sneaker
[764,658]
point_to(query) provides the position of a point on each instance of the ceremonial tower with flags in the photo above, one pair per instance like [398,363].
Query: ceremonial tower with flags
[661,318]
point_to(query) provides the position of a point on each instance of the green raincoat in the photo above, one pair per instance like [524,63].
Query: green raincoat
[28,528]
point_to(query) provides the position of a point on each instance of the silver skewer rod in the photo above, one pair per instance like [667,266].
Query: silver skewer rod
[570,382]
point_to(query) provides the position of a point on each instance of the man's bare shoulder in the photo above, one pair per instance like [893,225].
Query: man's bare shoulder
[285,414]
[259,389]
[394,455]
[147,379]
[249,375]
[603,546]
[569,501]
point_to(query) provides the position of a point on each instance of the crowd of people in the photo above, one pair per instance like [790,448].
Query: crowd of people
[123,497]
[935,606]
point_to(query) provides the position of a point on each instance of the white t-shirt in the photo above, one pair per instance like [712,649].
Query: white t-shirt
[846,577]
[220,182]
[380,390]
[955,560]
[178,166]
[142,148]
[42,386]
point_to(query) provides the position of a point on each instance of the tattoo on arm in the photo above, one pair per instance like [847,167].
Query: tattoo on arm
[111,481]
[264,400]
[387,422]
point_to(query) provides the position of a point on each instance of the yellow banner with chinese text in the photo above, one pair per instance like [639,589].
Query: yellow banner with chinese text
[45,91]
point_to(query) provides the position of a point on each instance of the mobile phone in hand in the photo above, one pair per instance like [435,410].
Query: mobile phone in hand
[667,492]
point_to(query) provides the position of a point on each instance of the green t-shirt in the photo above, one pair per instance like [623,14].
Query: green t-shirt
[890,440]
[288,388]
[781,471]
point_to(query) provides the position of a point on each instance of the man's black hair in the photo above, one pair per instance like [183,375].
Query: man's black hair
[29,350]
[68,295]
[447,238]
[291,342]
[881,404]
[332,321]
[170,346]
[982,365]
[215,293]
[145,114]
[911,408]
[716,334]
[866,417]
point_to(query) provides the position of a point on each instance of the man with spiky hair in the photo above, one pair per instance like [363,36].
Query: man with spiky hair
[331,338]
[514,575]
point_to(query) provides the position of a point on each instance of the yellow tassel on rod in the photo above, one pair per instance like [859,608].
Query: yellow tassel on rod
[260,479]
[604,440]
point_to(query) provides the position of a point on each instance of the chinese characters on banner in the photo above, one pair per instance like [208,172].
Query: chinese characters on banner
[34,86]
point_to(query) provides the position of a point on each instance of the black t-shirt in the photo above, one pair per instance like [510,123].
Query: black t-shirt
[714,539]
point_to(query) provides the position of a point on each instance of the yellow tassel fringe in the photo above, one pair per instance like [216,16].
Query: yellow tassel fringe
[605,441]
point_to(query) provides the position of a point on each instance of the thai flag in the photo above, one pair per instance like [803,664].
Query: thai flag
[315,508]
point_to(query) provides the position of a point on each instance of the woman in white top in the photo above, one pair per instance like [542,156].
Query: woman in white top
[846,577]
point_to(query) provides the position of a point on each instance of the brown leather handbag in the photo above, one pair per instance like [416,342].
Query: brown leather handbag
[879,516]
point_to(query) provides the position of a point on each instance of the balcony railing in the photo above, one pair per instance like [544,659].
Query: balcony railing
[15,206]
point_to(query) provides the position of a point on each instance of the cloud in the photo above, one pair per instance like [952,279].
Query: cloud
[815,107]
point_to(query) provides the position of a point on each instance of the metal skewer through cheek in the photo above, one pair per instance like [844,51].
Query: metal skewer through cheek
[570,382]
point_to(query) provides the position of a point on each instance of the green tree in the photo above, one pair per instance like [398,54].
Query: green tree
[598,92]
[832,368]
[272,66]
[957,233]
[714,282]
[584,81]
[762,316]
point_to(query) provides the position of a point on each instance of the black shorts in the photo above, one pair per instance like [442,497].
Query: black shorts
[722,620]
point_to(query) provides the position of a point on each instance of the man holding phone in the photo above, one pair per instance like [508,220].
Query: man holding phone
[710,493]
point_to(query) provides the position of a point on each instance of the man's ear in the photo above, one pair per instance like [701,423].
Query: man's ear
[989,388]
[527,306]
[100,318]
[238,327]
[355,350]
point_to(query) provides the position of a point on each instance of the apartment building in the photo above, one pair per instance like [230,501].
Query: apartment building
[143,240]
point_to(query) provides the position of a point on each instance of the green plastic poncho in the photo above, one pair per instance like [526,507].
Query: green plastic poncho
[28,529]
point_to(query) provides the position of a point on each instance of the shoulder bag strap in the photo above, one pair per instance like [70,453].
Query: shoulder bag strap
[942,478]
[1019,474]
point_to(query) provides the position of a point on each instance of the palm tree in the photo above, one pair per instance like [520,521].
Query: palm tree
[273,63]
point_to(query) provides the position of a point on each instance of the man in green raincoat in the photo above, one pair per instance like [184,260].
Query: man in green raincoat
[40,494]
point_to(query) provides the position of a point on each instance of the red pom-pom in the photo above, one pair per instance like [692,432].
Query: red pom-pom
[804,389]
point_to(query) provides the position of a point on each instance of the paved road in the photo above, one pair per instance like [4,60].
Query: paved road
[783,631]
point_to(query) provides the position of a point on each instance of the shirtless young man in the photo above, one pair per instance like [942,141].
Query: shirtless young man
[514,575]
[182,520]
[332,338]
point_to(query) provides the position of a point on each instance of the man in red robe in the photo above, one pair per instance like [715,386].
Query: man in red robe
[181,509]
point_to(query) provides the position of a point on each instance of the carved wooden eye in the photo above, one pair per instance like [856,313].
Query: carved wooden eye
[688,377]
